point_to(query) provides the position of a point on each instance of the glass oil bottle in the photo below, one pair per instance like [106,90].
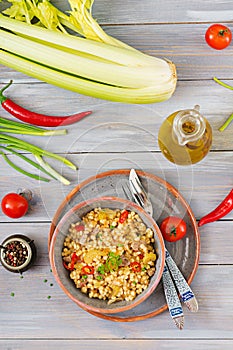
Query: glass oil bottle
[185,137]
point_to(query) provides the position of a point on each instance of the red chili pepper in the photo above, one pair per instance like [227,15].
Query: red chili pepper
[123,216]
[37,118]
[223,209]
[87,270]
[136,266]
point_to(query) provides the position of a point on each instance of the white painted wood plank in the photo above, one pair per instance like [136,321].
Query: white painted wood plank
[158,344]
[203,185]
[136,126]
[29,314]
[154,11]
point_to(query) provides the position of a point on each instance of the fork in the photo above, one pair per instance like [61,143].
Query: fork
[136,191]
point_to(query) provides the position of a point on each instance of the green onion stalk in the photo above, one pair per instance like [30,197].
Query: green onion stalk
[11,144]
[230,118]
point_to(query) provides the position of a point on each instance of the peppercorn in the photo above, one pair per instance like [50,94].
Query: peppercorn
[16,253]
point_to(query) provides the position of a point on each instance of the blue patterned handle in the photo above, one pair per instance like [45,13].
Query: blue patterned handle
[184,289]
[172,299]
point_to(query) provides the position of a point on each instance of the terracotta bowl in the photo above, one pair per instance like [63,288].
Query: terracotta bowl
[62,275]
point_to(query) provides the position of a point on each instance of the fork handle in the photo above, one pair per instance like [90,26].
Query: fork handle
[172,299]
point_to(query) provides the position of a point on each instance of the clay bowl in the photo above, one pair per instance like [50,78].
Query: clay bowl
[62,275]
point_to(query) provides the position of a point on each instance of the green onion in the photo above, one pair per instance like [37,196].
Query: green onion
[97,65]
[230,119]
[22,171]
[28,160]
[11,143]
[50,170]
[10,126]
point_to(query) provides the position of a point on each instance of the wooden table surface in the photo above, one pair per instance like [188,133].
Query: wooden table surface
[119,136]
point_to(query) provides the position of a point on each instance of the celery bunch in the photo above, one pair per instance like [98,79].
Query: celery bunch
[94,64]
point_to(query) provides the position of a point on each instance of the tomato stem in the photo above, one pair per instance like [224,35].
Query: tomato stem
[222,32]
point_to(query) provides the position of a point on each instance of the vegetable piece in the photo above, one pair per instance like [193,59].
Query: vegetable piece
[13,127]
[66,266]
[123,216]
[87,270]
[113,71]
[22,171]
[79,228]
[173,228]
[36,118]
[15,143]
[229,120]
[218,36]
[74,259]
[101,269]
[14,205]
[135,266]
[149,257]
[222,209]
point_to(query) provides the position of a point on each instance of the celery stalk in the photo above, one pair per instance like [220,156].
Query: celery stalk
[108,73]
[122,56]
[151,94]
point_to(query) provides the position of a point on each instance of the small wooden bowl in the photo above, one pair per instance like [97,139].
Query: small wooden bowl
[62,275]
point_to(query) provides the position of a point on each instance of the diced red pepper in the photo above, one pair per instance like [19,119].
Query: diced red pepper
[136,266]
[141,256]
[123,216]
[74,259]
[66,266]
[79,228]
[87,270]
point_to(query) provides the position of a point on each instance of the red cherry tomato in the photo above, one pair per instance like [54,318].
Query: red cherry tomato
[173,228]
[14,205]
[218,36]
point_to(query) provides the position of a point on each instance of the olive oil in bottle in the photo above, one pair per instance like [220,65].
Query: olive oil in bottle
[185,137]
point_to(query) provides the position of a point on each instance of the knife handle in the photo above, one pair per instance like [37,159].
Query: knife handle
[184,289]
[172,299]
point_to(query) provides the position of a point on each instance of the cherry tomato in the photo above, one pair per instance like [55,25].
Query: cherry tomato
[14,205]
[218,36]
[173,228]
